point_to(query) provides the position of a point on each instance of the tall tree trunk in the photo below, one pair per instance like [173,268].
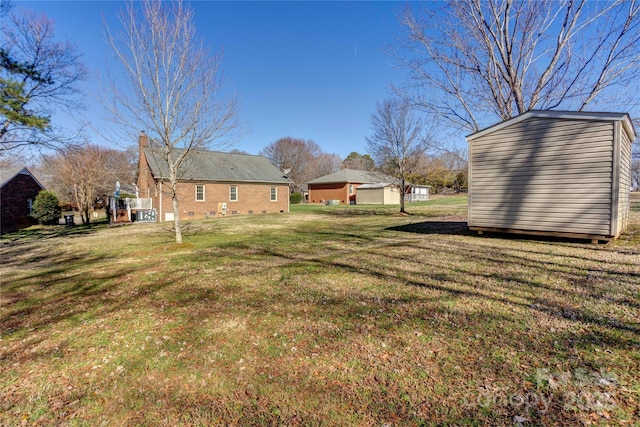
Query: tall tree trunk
[176,221]
[176,216]
[402,189]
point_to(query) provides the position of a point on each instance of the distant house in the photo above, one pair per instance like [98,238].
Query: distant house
[342,185]
[213,184]
[17,193]
[552,173]
[377,188]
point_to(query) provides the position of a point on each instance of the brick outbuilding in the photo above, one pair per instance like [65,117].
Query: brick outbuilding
[17,193]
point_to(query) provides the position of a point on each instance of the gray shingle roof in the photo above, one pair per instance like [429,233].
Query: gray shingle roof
[352,176]
[218,166]
[7,173]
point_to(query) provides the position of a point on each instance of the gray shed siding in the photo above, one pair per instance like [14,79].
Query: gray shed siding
[624,203]
[550,175]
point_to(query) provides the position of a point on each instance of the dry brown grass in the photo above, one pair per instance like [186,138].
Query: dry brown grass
[325,318]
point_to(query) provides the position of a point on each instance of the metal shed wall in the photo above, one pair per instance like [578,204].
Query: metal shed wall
[377,196]
[549,174]
[624,202]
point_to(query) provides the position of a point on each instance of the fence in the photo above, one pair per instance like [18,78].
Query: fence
[412,197]
[140,203]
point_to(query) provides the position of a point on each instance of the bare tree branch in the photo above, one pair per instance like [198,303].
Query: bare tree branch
[473,61]
[301,160]
[38,76]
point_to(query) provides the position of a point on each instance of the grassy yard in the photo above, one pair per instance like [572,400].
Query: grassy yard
[328,315]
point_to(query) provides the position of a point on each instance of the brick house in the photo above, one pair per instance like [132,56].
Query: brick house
[244,184]
[17,193]
[342,185]
[379,188]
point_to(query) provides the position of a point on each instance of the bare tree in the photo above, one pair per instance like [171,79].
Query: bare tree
[399,141]
[172,88]
[78,172]
[472,62]
[38,76]
[292,156]
[635,174]
[81,175]
[322,165]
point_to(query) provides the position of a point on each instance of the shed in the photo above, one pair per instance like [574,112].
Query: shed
[552,173]
[378,194]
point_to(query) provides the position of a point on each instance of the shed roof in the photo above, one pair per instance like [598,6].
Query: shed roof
[570,115]
[374,185]
[352,176]
[205,165]
[7,173]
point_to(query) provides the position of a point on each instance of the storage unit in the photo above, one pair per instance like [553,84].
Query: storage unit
[552,173]
[377,194]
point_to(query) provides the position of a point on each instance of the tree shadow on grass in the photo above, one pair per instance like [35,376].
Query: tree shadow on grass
[19,238]
[461,228]
[434,227]
[504,278]
[470,295]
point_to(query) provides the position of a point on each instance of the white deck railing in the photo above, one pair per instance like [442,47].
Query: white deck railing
[416,197]
[140,203]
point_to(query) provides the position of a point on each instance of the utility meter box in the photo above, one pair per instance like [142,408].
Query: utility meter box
[222,208]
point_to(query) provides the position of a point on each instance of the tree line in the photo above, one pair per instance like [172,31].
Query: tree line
[303,161]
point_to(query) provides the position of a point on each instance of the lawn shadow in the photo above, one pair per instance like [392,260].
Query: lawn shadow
[14,247]
[496,282]
[434,227]
[39,232]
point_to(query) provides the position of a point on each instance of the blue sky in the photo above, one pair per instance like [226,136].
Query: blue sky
[311,70]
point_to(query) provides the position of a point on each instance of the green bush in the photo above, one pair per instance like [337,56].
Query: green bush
[46,208]
[295,198]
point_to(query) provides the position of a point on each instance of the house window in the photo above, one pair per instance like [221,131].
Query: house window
[274,194]
[30,206]
[233,193]
[199,193]
[350,188]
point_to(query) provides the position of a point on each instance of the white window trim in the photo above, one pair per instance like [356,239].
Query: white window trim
[203,193]
[237,195]
[271,194]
